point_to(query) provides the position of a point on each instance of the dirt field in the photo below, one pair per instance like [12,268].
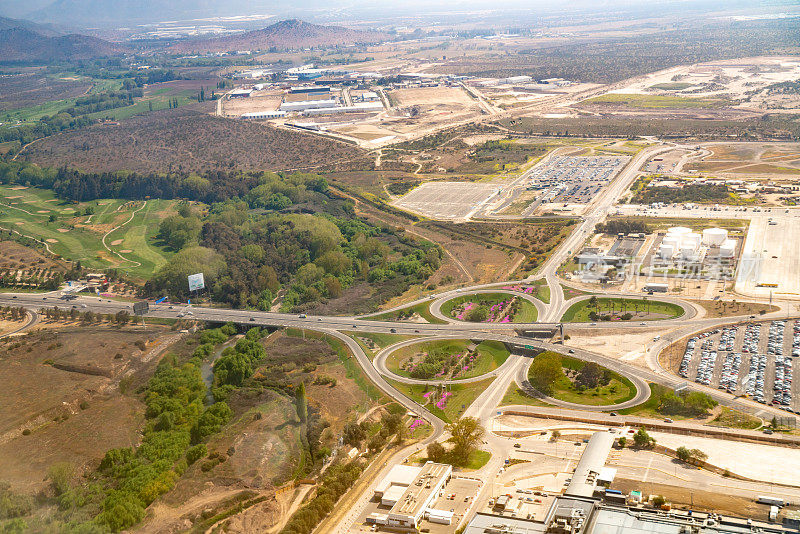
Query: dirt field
[16,256]
[266,100]
[81,413]
[187,139]
[779,161]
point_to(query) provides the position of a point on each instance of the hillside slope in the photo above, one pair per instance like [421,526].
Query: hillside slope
[286,34]
[22,45]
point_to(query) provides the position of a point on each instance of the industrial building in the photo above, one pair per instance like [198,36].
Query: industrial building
[260,115]
[411,491]
[308,104]
[240,93]
[361,107]
[586,508]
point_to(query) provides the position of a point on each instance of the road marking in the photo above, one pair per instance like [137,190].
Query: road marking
[647,471]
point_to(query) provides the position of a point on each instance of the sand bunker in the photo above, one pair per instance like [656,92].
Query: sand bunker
[126,251]
[42,211]
[63,230]
[51,240]
[116,242]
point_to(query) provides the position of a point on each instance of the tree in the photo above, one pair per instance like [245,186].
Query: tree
[683,454]
[622,442]
[545,371]
[436,452]
[589,376]
[642,439]
[659,501]
[466,434]
[554,435]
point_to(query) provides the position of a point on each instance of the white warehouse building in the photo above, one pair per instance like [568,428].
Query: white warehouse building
[308,104]
[270,114]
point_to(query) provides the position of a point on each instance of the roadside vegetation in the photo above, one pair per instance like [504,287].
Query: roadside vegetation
[664,401]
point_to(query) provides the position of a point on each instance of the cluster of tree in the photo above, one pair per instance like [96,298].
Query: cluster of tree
[238,363]
[33,281]
[688,193]
[466,434]
[391,429]
[13,505]
[337,480]
[591,375]
[176,424]
[690,456]
[103,101]
[622,226]
[44,127]
[15,313]
[545,371]
[690,404]
[55,313]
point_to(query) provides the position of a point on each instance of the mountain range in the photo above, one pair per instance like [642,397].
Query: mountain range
[23,45]
[286,34]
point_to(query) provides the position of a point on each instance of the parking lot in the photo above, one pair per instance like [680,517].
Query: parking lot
[449,200]
[575,179]
[754,359]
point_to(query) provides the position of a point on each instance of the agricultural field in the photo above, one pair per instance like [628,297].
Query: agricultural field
[100,234]
[187,139]
[490,308]
[447,360]
[621,309]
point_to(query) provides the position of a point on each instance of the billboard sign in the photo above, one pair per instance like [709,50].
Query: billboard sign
[196,282]
[141,308]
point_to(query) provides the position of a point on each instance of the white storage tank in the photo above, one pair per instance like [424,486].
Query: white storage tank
[666,251]
[672,241]
[679,230]
[692,239]
[688,252]
[727,248]
[714,237]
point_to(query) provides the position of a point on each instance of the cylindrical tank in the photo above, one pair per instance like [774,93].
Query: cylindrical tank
[679,230]
[666,251]
[688,252]
[672,241]
[691,238]
[727,248]
[714,237]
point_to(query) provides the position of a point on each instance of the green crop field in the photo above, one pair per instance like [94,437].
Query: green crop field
[640,310]
[129,228]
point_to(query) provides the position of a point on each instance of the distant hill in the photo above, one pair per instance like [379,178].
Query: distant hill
[286,34]
[112,13]
[42,29]
[21,45]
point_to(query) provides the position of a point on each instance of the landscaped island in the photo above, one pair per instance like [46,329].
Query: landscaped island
[490,308]
[448,360]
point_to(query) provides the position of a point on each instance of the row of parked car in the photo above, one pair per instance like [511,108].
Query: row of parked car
[796,339]
[782,387]
[752,335]
[727,339]
[708,360]
[729,380]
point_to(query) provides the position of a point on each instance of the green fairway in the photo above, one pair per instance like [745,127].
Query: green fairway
[489,355]
[525,311]
[612,389]
[129,228]
[616,309]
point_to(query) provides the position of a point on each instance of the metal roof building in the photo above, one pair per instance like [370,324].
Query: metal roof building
[591,463]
